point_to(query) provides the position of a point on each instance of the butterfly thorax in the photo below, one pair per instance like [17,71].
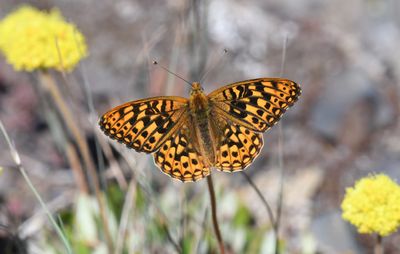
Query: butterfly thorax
[200,114]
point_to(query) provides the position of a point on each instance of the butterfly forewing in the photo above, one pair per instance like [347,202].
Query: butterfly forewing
[256,104]
[145,125]
[179,158]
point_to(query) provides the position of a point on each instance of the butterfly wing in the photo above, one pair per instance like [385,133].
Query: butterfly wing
[240,111]
[237,146]
[145,125]
[179,158]
[256,104]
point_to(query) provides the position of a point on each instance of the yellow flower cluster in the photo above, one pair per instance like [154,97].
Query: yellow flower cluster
[373,205]
[31,39]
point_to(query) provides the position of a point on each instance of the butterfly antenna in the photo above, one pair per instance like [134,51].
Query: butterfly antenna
[176,75]
[224,52]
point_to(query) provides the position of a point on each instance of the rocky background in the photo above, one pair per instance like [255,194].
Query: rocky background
[344,54]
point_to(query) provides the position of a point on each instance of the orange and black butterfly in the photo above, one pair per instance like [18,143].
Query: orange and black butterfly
[188,137]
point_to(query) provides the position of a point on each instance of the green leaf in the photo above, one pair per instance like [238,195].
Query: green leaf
[115,198]
[242,217]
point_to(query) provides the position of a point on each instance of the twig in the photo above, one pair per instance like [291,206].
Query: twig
[214,214]
[17,160]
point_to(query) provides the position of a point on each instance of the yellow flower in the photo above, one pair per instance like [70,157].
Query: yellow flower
[373,205]
[31,39]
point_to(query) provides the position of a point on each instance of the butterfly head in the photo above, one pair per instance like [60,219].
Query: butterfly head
[196,88]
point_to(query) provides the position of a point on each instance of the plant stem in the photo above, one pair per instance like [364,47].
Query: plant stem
[280,191]
[378,246]
[261,196]
[75,163]
[176,246]
[214,214]
[127,211]
[280,161]
[275,225]
[51,87]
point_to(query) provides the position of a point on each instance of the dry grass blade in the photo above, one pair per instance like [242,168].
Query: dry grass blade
[127,212]
[280,160]
[50,86]
[137,166]
[115,168]
[17,160]
[77,170]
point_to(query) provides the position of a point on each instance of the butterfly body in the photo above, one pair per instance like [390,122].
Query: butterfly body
[200,113]
[188,137]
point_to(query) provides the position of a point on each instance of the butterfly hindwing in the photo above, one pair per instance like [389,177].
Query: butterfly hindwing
[256,104]
[145,125]
[237,145]
[179,159]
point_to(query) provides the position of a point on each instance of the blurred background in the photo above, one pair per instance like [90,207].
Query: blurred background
[344,54]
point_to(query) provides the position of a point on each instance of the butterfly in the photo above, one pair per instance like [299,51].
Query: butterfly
[188,137]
